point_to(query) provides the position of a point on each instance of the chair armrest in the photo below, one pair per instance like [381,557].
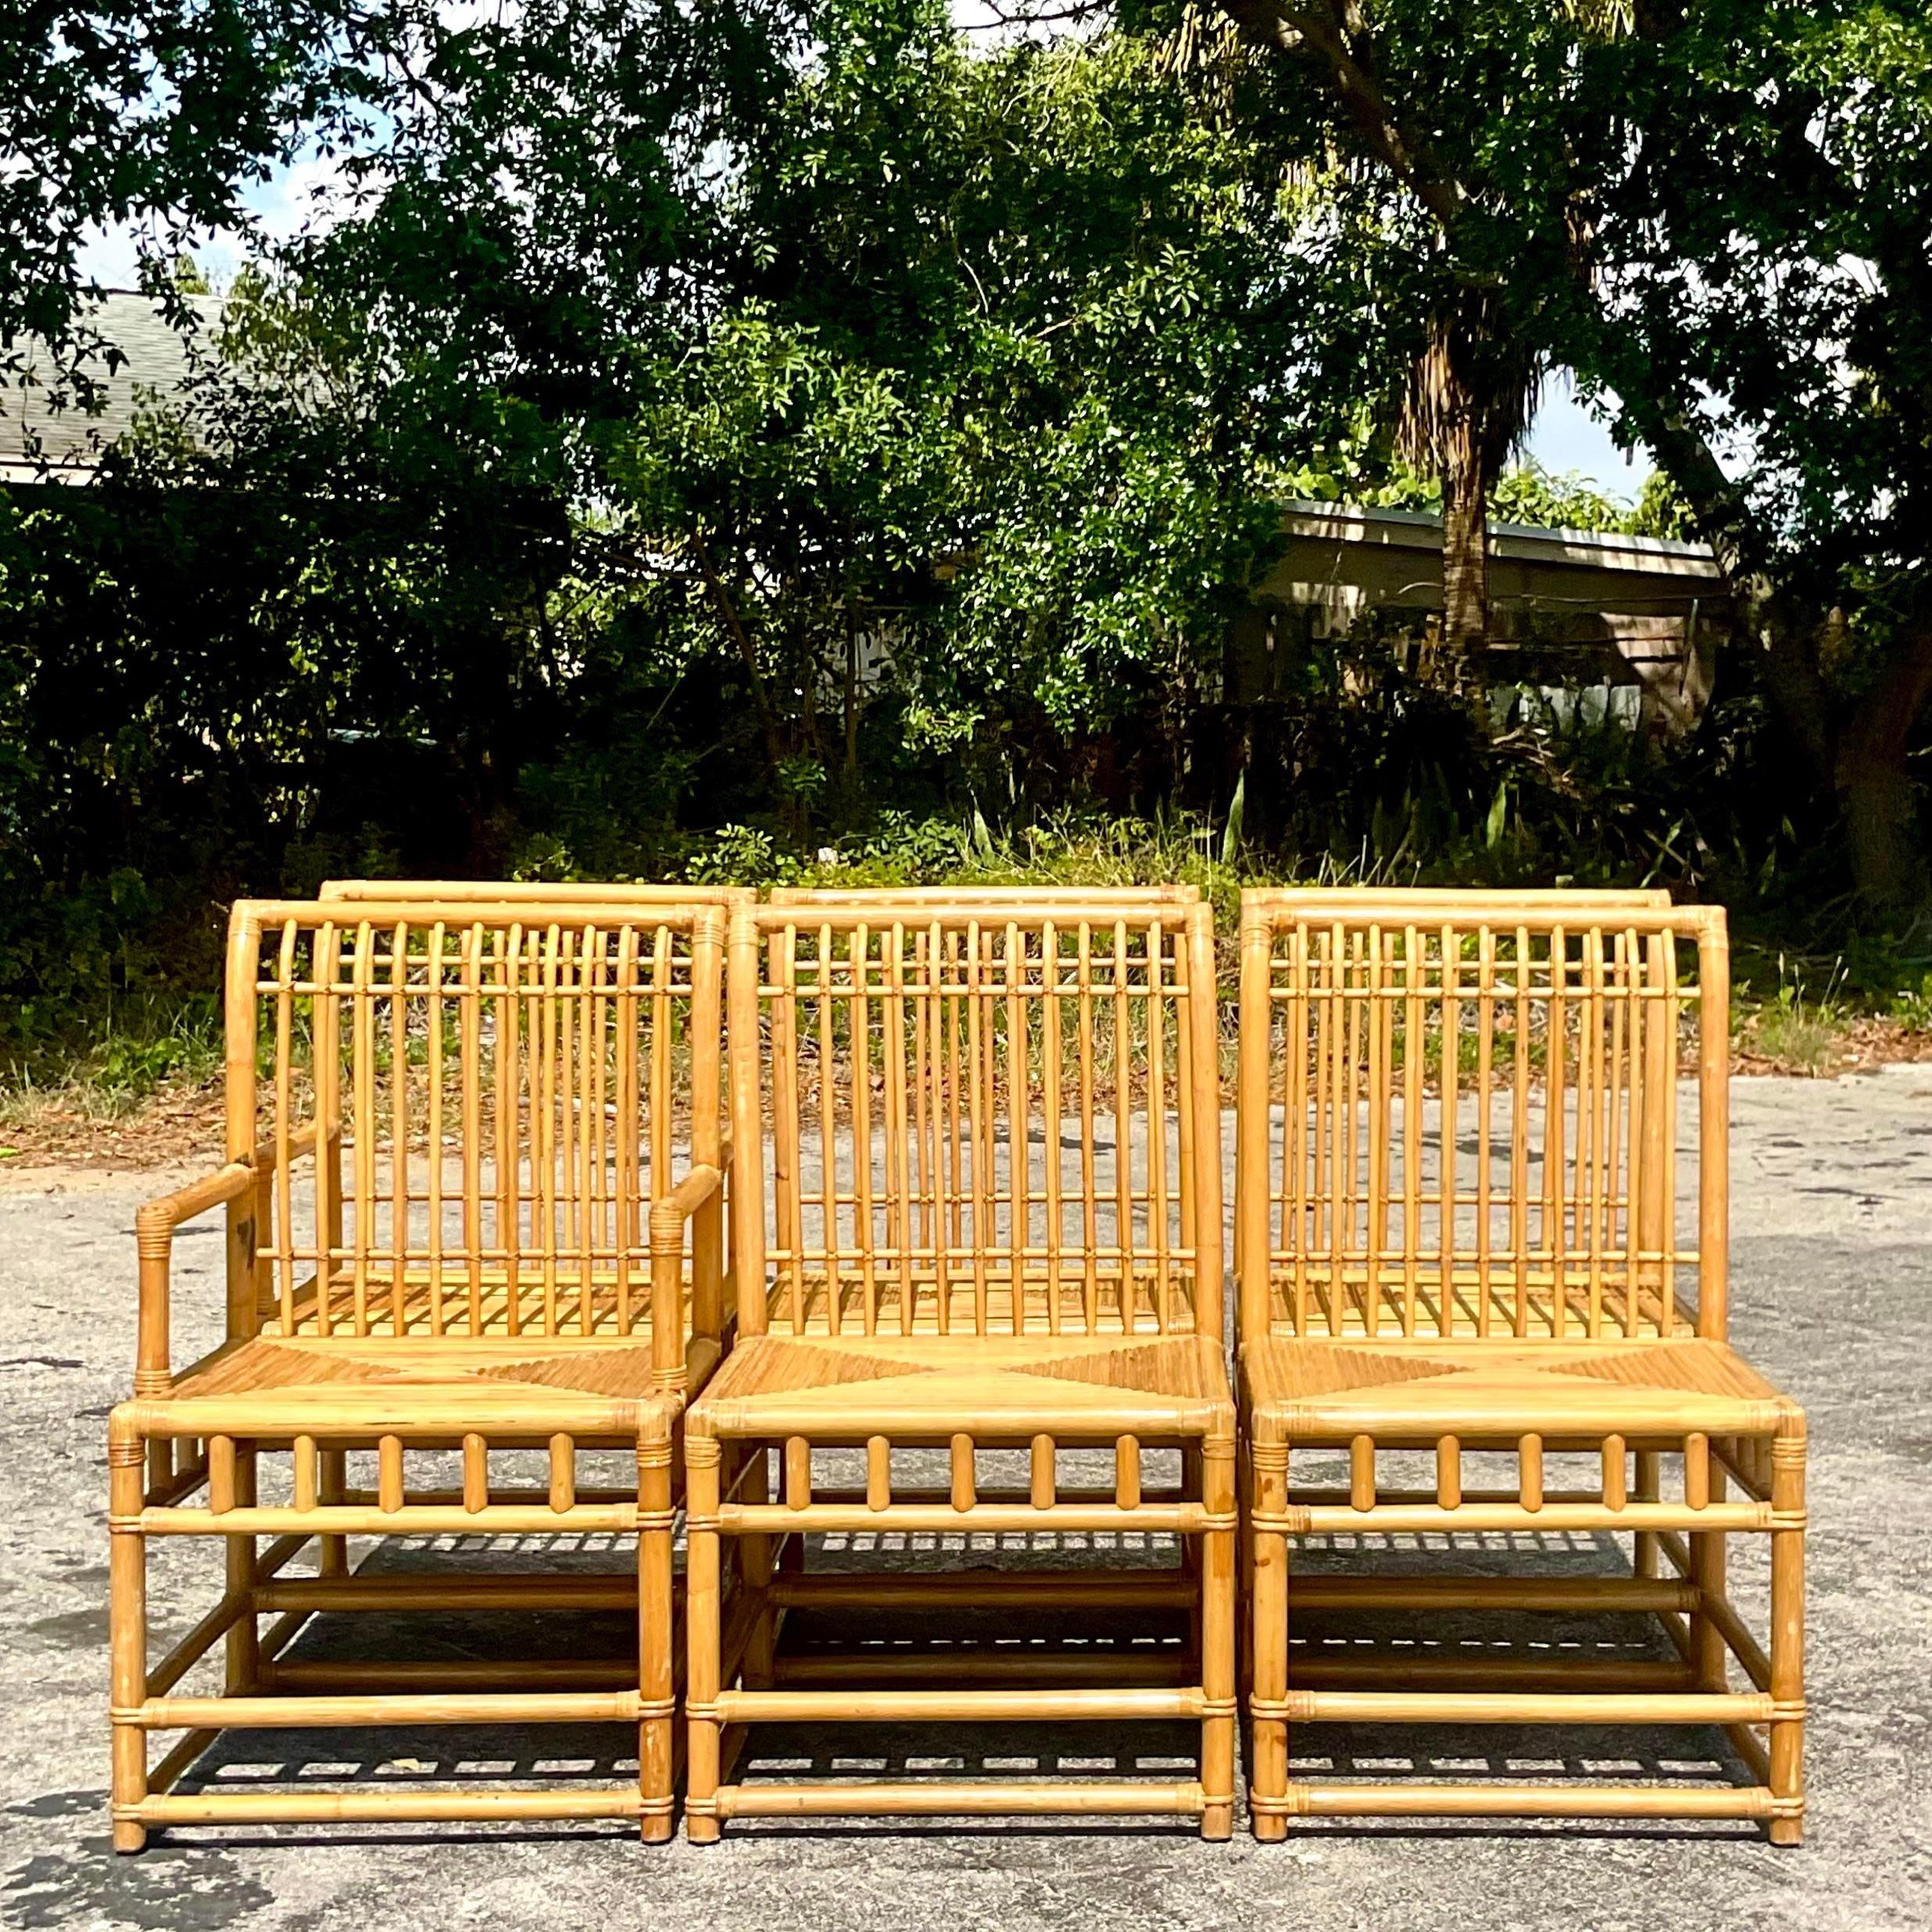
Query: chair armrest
[699,1190]
[154,1223]
[158,1218]
[669,1212]
[301,1142]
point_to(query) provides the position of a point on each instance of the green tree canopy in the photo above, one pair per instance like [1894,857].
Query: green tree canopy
[161,114]
[1718,213]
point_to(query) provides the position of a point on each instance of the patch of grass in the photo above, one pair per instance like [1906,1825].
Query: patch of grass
[1912,1007]
[106,1071]
[1068,847]
[1798,1029]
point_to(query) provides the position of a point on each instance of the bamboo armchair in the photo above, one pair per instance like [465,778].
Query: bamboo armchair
[1458,1233]
[464,1228]
[932,1278]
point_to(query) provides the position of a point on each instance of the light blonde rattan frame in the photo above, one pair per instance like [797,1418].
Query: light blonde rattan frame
[969,898]
[1567,1333]
[582,1299]
[951,1285]
[508,892]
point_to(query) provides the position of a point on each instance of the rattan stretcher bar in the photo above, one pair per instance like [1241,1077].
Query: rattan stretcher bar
[921,1287]
[476,1208]
[1457,1227]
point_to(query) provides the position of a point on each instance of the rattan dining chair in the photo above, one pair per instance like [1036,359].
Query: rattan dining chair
[1457,1199]
[474,1183]
[957,1260]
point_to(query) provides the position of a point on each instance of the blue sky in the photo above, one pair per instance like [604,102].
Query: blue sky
[1565,436]
[113,256]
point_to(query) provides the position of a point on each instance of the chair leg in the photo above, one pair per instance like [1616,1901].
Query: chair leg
[1709,1655]
[1192,1553]
[755,1568]
[1268,1586]
[1244,1580]
[1645,1557]
[1217,1647]
[127,1632]
[703,1639]
[243,1643]
[1787,1635]
[655,1741]
[333,1560]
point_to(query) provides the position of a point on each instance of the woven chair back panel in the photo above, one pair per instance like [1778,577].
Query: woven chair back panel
[1473,1128]
[494,1101]
[982,1126]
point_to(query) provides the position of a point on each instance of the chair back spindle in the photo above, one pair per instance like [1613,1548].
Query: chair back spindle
[465,1111]
[1461,1120]
[984,1118]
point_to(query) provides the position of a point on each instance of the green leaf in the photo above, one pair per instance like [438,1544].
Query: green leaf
[1498,821]
[1237,810]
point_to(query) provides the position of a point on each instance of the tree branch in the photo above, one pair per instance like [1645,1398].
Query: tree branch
[1759,609]
[1335,38]
[734,624]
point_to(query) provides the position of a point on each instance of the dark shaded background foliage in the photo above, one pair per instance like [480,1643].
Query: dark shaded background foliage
[531,515]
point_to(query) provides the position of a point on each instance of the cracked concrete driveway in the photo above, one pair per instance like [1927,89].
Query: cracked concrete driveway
[1833,1286]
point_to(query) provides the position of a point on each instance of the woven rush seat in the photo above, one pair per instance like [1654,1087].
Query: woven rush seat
[1170,1386]
[1309,1391]
[265,1385]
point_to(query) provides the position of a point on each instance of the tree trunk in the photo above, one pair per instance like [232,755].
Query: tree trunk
[1860,757]
[1468,399]
[1877,793]
[1464,556]
[481,799]
[851,697]
[734,624]
[1880,803]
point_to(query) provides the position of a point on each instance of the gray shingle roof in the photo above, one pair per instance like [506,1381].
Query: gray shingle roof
[43,427]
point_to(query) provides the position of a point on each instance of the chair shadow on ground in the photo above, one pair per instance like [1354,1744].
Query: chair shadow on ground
[362,1759]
